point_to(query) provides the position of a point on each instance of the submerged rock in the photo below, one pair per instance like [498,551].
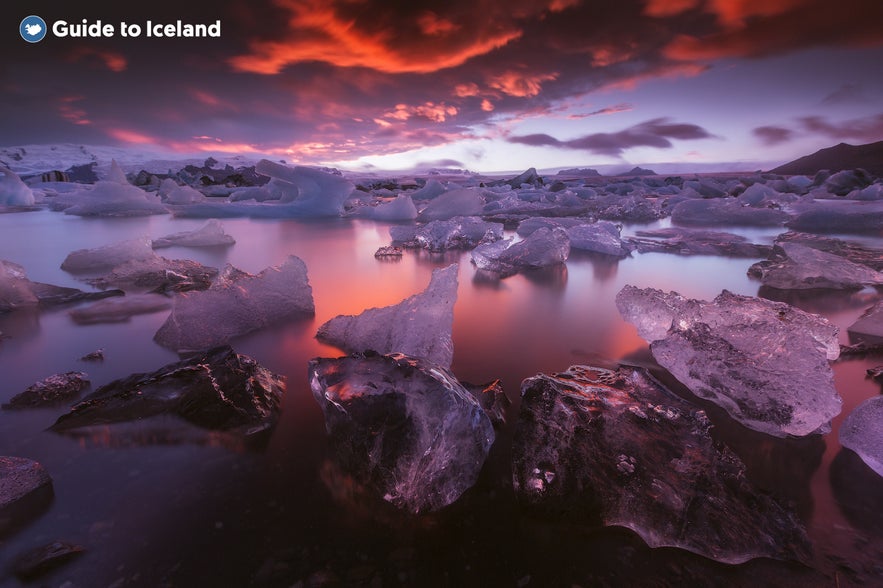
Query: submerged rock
[211,234]
[238,303]
[25,491]
[594,443]
[41,560]
[543,248]
[862,433]
[420,325]
[764,362]
[462,232]
[403,426]
[52,390]
[869,326]
[217,389]
[799,267]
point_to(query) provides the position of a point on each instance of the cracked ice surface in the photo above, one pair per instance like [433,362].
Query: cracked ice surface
[764,362]
[419,326]
[237,304]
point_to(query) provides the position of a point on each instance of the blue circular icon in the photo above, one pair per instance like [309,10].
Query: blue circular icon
[32,29]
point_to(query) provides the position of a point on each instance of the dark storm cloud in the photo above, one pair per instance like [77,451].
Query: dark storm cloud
[653,133]
[866,130]
[772,135]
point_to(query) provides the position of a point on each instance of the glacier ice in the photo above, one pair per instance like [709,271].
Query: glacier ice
[596,443]
[529,225]
[838,217]
[418,326]
[108,256]
[430,190]
[459,232]
[542,248]
[402,426]
[725,211]
[869,326]
[157,274]
[238,303]
[764,362]
[182,194]
[120,309]
[114,196]
[15,288]
[314,192]
[600,237]
[861,432]
[804,267]
[14,192]
[684,241]
[400,209]
[459,202]
[211,234]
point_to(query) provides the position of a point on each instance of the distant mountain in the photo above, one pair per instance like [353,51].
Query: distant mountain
[583,172]
[638,171]
[839,157]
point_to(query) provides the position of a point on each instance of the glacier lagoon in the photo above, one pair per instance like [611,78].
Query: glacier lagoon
[152,508]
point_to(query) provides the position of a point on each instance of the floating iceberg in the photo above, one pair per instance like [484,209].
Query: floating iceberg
[461,232]
[14,192]
[600,237]
[683,241]
[108,256]
[238,303]
[862,433]
[402,426]
[804,268]
[765,363]
[615,444]
[432,189]
[157,274]
[120,309]
[459,202]
[529,225]
[400,209]
[114,196]
[183,195]
[209,235]
[839,217]
[17,291]
[725,211]
[869,326]
[419,326]
[543,248]
[315,192]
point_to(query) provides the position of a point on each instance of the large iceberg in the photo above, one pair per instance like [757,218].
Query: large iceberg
[839,217]
[108,256]
[114,196]
[764,362]
[803,267]
[211,234]
[419,326]
[459,202]
[315,192]
[238,303]
[599,237]
[402,426]
[725,211]
[862,433]
[14,192]
[543,248]
[614,445]
[460,232]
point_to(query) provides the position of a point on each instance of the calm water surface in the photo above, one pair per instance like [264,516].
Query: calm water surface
[206,512]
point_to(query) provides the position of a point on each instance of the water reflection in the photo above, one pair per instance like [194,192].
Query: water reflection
[822,301]
[858,490]
[604,266]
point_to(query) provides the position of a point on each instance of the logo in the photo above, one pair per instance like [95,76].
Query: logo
[32,29]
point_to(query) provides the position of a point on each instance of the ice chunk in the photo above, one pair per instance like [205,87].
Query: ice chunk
[211,234]
[529,225]
[593,442]
[844,182]
[862,433]
[120,309]
[683,241]
[116,173]
[52,390]
[839,217]
[764,362]
[869,326]
[804,268]
[544,247]
[183,195]
[461,232]
[157,274]
[725,211]
[432,189]
[402,426]
[600,237]
[108,256]
[15,288]
[460,202]
[14,192]
[402,208]
[419,326]
[313,192]
[237,304]
[107,198]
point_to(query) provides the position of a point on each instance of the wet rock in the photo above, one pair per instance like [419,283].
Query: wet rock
[419,325]
[15,288]
[237,304]
[799,267]
[97,355]
[25,491]
[493,400]
[217,389]
[764,362]
[52,390]
[869,326]
[615,447]
[389,251]
[683,241]
[861,432]
[403,426]
[42,560]
[543,248]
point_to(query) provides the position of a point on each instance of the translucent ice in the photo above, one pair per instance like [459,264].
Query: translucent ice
[13,192]
[237,304]
[209,235]
[402,208]
[764,362]
[544,247]
[862,433]
[157,274]
[432,189]
[419,326]
[600,237]
[725,211]
[806,268]
[460,202]
[183,195]
[869,326]
[839,217]
[461,232]
[314,192]
[15,288]
[402,426]
[108,256]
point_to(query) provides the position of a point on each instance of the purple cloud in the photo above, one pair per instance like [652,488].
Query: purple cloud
[771,135]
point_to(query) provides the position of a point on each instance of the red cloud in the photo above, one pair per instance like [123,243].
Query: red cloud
[69,111]
[520,85]
[112,60]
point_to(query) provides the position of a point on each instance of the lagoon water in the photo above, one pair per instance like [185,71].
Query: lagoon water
[152,508]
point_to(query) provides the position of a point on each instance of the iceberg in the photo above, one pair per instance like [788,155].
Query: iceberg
[403,426]
[803,267]
[211,234]
[313,192]
[460,232]
[596,443]
[400,209]
[157,274]
[17,291]
[183,194]
[14,192]
[238,303]
[114,196]
[764,362]
[430,190]
[683,241]
[861,433]
[839,217]
[419,326]
[869,326]
[459,202]
[120,309]
[543,248]
[600,237]
[108,256]
[725,211]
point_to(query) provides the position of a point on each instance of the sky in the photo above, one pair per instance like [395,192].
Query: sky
[485,85]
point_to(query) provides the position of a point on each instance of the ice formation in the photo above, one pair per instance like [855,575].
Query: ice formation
[315,192]
[14,192]
[529,225]
[869,326]
[419,326]
[238,303]
[839,217]
[400,209]
[683,241]
[108,256]
[120,309]
[460,232]
[157,274]
[804,268]
[402,426]
[544,247]
[459,202]
[211,234]
[725,211]
[615,444]
[114,196]
[183,195]
[861,432]
[15,288]
[765,363]
[430,190]
[600,237]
